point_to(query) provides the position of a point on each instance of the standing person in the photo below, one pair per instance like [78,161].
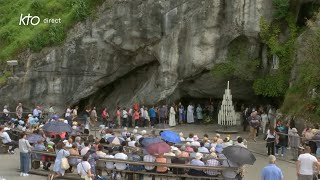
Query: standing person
[181,113]
[93,116]
[7,140]
[254,124]
[147,117]
[190,118]
[172,116]
[6,112]
[163,114]
[60,153]
[86,117]
[51,112]
[136,117]
[105,117]
[37,112]
[305,165]
[280,139]
[142,117]
[152,113]
[19,111]
[264,122]
[25,149]
[245,115]
[211,109]
[75,113]
[294,143]
[124,117]
[68,115]
[118,117]
[199,114]
[272,116]
[130,113]
[271,138]
[271,171]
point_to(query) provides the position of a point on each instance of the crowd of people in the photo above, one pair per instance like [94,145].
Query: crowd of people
[279,134]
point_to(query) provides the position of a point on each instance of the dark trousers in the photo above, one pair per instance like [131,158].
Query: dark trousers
[136,122]
[13,145]
[162,119]
[129,121]
[270,145]
[153,120]
[124,122]
[86,131]
[142,122]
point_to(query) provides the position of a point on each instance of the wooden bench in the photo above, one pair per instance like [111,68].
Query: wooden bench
[3,148]
[100,167]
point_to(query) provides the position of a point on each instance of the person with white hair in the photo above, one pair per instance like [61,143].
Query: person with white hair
[181,136]
[271,171]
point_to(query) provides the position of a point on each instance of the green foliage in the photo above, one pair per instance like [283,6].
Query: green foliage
[282,8]
[15,38]
[238,62]
[4,77]
[271,85]
[276,84]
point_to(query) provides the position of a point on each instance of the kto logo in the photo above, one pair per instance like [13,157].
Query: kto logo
[25,20]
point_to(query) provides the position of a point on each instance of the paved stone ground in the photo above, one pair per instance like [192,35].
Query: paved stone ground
[9,164]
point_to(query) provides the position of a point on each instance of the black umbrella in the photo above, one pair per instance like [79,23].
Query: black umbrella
[238,154]
[57,127]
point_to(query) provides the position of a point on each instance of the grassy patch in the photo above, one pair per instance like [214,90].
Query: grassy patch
[4,77]
[15,38]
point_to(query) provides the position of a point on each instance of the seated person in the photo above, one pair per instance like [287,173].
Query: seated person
[202,149]
[7,140]
[190,138]
[161,159]
[197,162]
[212,161]
[100,152]
[121,155]
[178,159]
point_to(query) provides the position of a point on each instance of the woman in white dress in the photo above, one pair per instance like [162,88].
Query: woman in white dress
[190,112]
[172,117]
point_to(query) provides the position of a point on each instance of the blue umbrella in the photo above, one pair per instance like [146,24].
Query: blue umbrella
[57,127]
[149,140]
[170,136]
[34,138]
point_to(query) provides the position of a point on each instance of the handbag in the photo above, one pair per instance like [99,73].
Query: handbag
[87,176]
[64,163]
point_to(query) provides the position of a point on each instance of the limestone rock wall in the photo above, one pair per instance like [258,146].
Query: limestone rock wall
[140,50]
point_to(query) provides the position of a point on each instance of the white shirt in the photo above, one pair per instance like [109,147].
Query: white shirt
[83,167]
[84,150]
[142,112]
[307,162]
[132,143]
[5,138]
[68,112]
[149,158]
[124,114]
[269,135]
[146,115]
[189,139]
[24,146]
[121,166]
[110,165]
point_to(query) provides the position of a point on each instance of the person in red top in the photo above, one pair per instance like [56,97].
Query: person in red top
[105,117]
[118,118]
[136,117]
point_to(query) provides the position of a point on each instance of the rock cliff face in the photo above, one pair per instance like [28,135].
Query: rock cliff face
[140,50]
